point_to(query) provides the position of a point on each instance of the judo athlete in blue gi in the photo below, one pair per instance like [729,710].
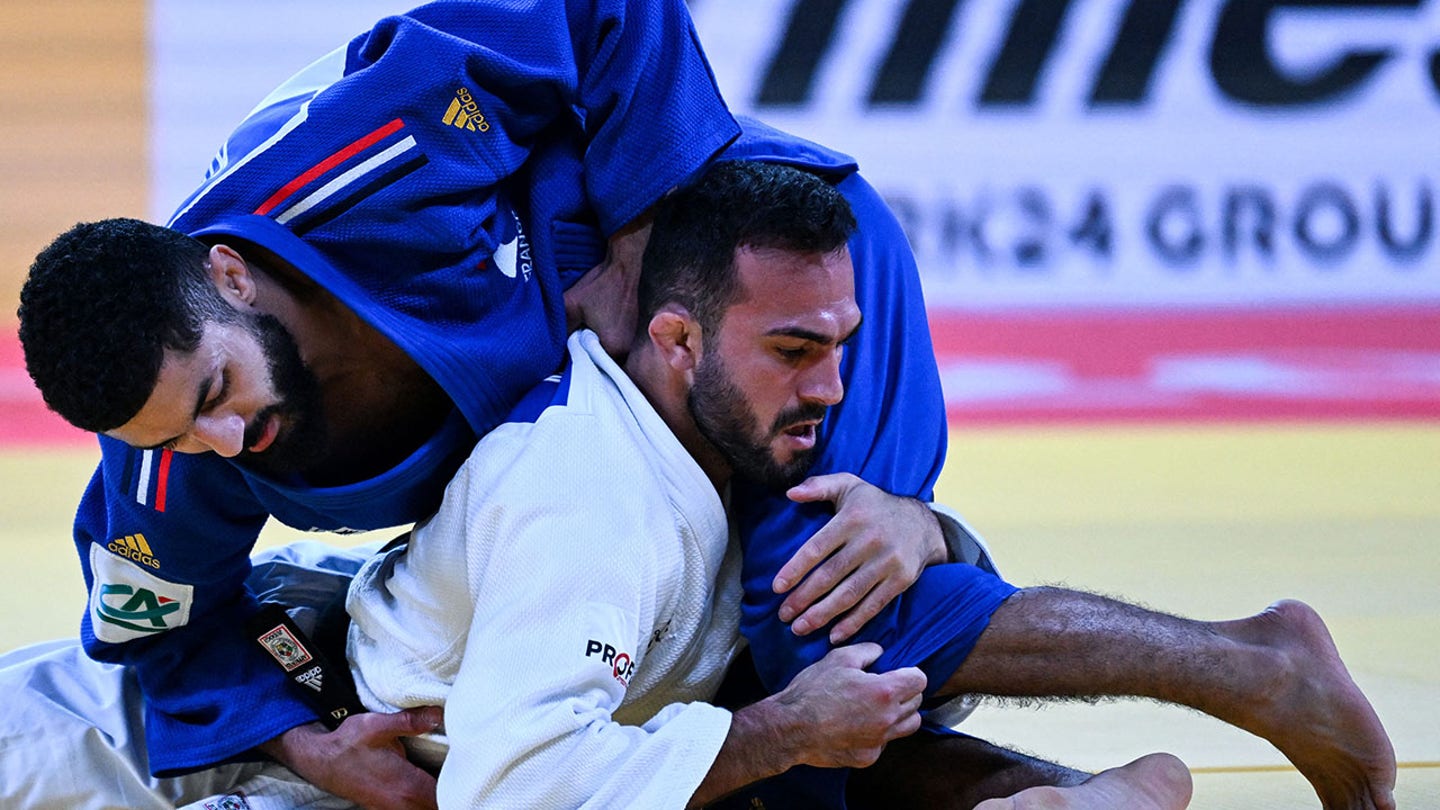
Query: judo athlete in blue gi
[372,183]
[398,225]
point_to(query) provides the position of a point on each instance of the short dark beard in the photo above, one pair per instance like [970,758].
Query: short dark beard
[725,419]
[303,438]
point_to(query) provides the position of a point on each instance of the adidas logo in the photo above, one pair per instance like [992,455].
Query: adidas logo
[134,547]
[313,678]
[464,113]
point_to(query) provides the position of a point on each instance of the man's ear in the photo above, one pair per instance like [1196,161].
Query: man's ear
[676,337]
[232,277]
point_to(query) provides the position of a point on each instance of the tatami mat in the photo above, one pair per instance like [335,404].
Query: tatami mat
[1210,522]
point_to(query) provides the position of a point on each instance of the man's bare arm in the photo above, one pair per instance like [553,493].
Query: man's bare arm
[606,299]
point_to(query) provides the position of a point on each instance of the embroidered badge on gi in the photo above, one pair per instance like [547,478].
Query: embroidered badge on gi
[128,602]
[513,258]
[286,649]
[136,548]
[235,801]
[464,113]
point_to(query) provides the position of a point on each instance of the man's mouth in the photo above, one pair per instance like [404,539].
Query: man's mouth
[268,433]
[801,434]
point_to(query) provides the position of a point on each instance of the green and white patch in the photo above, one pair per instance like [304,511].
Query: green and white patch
[127,602]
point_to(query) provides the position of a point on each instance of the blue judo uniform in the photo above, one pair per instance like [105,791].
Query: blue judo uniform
[446,176]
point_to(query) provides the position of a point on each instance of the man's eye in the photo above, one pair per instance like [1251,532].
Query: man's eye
[791,354]
[218,394]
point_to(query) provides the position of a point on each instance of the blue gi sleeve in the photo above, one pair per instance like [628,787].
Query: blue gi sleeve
[631,73]
[164,540]
[890,430]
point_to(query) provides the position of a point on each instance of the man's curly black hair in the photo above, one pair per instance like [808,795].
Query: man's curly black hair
[101,305]
[690,258]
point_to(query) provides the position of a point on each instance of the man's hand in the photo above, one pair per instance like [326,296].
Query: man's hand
[873,549]
[363,760]
[834,714]
[606,299]
[850,714]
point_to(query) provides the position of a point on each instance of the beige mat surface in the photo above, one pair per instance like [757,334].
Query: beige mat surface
[1208,522]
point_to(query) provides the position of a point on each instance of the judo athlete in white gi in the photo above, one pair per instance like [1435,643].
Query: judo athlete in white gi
[576,598]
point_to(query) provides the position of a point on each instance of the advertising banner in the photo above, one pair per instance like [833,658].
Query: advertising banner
[1122,209]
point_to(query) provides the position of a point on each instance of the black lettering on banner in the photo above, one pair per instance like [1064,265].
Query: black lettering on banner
[906,68]
[1179,245]
[1096,228]
[1030,248]
[1035,231]
[1313,203]
[1252,206]
[1145,32]
[957,229]
[1435,71]
[809,35]
[1241,63]
[1029,43]
[1407,251]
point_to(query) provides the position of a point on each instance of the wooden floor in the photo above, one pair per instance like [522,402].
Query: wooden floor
[1209,523]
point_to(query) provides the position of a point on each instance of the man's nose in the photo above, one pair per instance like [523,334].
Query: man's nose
[822,383]
[222,433]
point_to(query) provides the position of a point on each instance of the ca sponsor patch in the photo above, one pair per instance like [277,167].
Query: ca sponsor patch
[127,602]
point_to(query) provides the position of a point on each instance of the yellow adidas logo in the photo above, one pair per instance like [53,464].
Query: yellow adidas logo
[465,113]
[133,546]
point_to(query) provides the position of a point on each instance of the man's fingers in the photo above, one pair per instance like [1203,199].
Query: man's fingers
[907,726]
[815,551]
[869,607]
[856,656]
[834,579]
[843,597]
[908,682]
[404,723]
[831,487]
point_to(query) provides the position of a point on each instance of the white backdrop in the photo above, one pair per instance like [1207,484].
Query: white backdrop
[1204,157]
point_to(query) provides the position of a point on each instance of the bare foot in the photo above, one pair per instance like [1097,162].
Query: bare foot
[1316,715]
[1152,782]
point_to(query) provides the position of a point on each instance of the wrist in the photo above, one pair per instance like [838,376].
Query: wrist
[937,545]
[773,732]
[295,747]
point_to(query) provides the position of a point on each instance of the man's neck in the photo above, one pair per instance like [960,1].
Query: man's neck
[668,394]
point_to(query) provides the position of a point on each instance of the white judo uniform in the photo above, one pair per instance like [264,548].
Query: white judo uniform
[570,605]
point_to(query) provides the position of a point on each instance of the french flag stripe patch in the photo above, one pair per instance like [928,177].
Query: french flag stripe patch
[142,490]
[393,153]
[334,160]
[154,478]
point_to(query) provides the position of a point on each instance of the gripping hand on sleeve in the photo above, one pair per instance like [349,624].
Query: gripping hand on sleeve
[872,550]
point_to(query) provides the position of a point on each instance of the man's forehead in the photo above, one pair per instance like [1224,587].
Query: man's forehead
[790,286]
[170,407]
